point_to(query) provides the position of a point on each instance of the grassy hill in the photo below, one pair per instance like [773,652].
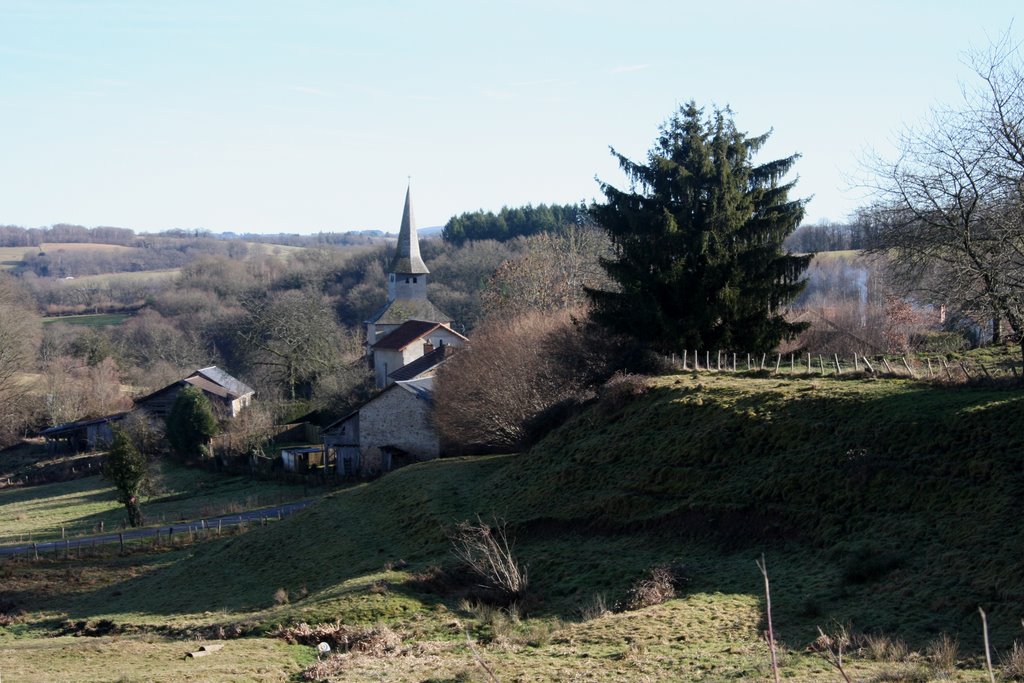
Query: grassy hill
[889,505]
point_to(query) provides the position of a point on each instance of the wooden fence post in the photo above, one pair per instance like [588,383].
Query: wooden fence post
[809,363]
[821,364]
[120,538]
[870,367]
[792,365]
[839,370]
[764,357]
[909,369]
[685,352]
[719,367]
[778,361]
[888,368]
[856,363]
[734,362]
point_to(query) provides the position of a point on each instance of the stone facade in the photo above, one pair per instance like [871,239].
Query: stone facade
[399,418]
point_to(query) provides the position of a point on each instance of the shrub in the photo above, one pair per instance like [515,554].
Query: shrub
[943,653]
[654,589]
[487,552]
[883,648]
[280,597]
[1012,663]
[622,388]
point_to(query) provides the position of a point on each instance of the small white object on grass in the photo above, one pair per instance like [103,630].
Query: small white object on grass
[322,649]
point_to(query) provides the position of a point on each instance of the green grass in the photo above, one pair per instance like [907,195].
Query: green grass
[90,320]
[889,504]
[79,506]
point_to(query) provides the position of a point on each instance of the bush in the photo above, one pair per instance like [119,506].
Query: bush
[488,553]
[869,565]
[943,653]
[654,589]
[622,388]
[1011,664]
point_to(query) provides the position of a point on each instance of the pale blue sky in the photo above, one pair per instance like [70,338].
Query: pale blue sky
[302,116]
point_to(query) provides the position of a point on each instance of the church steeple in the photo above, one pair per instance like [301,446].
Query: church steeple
[407,259]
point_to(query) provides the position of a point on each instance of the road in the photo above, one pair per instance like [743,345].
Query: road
[166,530]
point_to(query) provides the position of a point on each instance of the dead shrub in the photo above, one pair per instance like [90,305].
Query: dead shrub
[1011,663]
[622,388]
[487,552]
[376,641]
[594,608]
[883,648]
[281,596]
[943,653]
[654,589]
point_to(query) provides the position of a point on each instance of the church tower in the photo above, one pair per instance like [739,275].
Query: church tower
[408,276]
[407,285]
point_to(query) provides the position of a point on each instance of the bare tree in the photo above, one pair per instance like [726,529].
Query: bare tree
[488,393]
[950,208]
[294,334]
[20,335]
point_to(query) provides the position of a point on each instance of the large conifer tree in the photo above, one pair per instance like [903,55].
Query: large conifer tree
[698,241]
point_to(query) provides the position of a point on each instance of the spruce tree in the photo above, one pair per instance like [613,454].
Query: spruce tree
[698,241]
[191,423]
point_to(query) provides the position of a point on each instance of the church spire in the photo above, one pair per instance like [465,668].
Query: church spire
[407,259]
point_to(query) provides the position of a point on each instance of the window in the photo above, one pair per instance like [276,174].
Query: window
[414,280]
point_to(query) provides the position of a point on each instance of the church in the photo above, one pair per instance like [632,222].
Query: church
[408,326]
[406,341]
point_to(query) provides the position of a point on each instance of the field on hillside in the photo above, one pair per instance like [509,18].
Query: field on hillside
[78,507]
[89,319]
[11,256]
[888,506]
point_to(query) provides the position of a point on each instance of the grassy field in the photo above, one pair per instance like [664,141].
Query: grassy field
[79,506]
[90,320]
[888,505]
[142,276]
[11,256]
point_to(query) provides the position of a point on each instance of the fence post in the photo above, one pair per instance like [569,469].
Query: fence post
[870,367]
[748,362]
[792,365]
[734,361]
[821,363]
[909,369]
[809,363]
[120,538]
[707,360]
[839,370]
[778,361]
[719,367]
[696,365]
[929,366]
[888,368]
[685,352]
[764,357]
[35,549]
[856,363]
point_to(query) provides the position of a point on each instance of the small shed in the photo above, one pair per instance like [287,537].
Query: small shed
[302,459]
[82,435]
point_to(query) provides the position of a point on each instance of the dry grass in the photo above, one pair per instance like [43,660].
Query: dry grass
[943,653]
[1011,664]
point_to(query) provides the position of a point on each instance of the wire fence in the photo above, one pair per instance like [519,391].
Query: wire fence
[916,366]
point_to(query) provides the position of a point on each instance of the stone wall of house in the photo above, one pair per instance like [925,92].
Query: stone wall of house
[400,419]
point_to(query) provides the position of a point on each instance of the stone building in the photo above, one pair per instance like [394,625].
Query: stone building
[392,429]
[407,343]
[407,286]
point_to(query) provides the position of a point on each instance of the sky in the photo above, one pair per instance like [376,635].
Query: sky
[302,116]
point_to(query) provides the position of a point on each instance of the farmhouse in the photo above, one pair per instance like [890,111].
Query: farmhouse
[390,430]
[227,395]
[409,342]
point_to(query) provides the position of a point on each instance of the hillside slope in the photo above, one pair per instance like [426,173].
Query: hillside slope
[889,503]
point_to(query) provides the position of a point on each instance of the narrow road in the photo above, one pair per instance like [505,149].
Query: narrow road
[168,530]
